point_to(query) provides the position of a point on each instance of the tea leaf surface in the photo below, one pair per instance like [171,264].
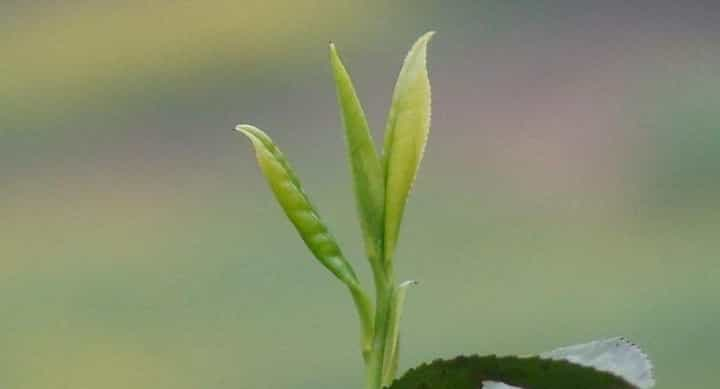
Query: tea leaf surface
[365,163]
[406,134]
[476,372]
[289,193]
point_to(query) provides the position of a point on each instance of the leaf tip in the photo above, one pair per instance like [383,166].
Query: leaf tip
[424,39]
[250,131]
[335,57]
[254,134]
[244,128]
[421,45]
[426,36]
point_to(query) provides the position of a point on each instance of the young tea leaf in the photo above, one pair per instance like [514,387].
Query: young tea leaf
[289,193]
[298,208]
[364,161]
[476,372]
[392,342]
[406,134]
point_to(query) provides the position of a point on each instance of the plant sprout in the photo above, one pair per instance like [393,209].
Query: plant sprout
[382,183]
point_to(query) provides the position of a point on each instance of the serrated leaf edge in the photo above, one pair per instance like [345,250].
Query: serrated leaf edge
[534,357]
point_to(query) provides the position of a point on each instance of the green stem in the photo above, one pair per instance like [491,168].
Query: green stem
[392,338]
[384,284]
[364,307]
[377,355]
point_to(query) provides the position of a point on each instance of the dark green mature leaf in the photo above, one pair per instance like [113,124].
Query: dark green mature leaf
[406,133]
[364,161]
[528,373]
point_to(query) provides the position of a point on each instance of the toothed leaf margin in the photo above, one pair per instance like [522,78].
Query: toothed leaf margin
[471,372]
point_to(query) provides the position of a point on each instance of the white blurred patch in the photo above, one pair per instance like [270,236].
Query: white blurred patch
[615,355]
[498,385]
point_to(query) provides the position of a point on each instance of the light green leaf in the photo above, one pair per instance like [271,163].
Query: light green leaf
[392,341]
[364,161]
[406,134]
[289,193]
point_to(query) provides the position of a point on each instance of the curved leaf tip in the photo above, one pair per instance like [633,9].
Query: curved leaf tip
[258,137]
[246,130]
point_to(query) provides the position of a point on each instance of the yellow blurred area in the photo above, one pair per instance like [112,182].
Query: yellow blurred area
[84,361]
[81,54]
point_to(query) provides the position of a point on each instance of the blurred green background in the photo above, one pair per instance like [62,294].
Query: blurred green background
[570,190]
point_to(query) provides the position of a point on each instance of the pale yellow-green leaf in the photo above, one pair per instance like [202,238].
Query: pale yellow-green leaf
[365,163]
[289,193]
[392,341]
[406,134]
[298,208]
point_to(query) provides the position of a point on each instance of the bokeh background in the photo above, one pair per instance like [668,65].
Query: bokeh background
[570,190]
